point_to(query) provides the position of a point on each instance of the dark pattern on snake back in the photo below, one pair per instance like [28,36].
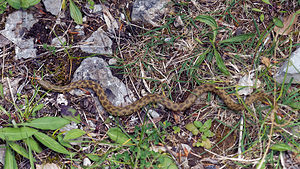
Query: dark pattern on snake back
[156,98]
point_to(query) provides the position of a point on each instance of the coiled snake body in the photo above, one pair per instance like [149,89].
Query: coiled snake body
[155,98]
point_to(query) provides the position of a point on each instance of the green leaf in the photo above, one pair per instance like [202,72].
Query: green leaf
[176,129]
[278,22]
[14,3]
[267,2]
[75,13]
[118,136]
[50,143]
[281,147]
[93,157]
[238,38]
[208,133]
[166,162]
[206,126]
[4,111]
[1,90]
[10,161]
[73,134]
[34,145]
[295,105]
[209,21]
[197,144]
[28,3]
[220,63]
[256,10]
[192,128]
[206,143]
[198,124]
[47,123]
[262,17]
[15,134]
[37,108]
[20,150]
[62,142]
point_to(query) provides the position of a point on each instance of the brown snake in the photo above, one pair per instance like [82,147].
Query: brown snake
[155,98]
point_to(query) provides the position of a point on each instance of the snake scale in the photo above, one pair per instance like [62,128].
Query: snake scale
[155,98]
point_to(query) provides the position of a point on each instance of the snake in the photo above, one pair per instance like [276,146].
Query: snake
[157,98]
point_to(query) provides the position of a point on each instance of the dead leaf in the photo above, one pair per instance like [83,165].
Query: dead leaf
[288,23]
[265,61]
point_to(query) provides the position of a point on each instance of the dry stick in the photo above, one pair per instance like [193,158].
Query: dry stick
[227,158]
[240,138]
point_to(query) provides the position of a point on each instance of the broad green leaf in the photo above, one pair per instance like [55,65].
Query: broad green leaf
[295,105]
[192,128]
[15,134]
[34,145]
[278,22]
[62,142]
[20,150]
[14,3]
[281,147]
[73,134]
[50,143]
[206,125]
[31,2]
[93,157]
[166,162]
[238,38]
[209,21]
[37,108]
[118,136]
[220,63]
[198,124]
[75,13]
[47,123]
[10,161]
[256,10]
[267,2]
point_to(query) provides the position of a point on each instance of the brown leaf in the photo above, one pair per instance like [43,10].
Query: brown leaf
[288,23]
[265,61]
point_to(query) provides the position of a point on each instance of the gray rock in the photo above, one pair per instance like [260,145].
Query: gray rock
[96,69]
[58,41]
[53,6]
[291,68]
[98,42]
[79,29]
[3,41]
[16,25]
[150,11]
[96,9]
